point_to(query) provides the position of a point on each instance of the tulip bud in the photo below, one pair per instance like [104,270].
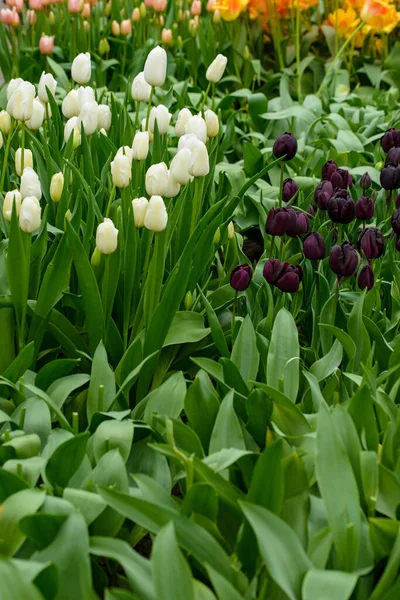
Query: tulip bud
[140,90]
[341,179]
[46,81]
[121,171]
[285,146]
[155,68]
[135,15]
[289,278]
[289,189]
[328,169]
[188,140]
[393,157]
[365,181]
[217,237]
[301,226]
[106,237]
[280,221]
[107,9]
[273,269]
[28,160]
[390,178]
[163,117]
[180,165]
[72,126]
[216,69]
[126,27]
[20,105]
[241,277]
[231,230]
[341,208]
[183,117]
[216,17]
[30,214]
[140,145]
[312,209]
[156,217]
[46,44]
[104,117]
[70,105]
[30,184]
[173,187]
[365,208]
[37,118]
[142,9]
[371,242]
[343,260]
[314,246]
[366,278]
[188,300]
[166,36]
[5,122]
[81,68]
[89,117]
[323,194]
[390,139]
[126,151]
[156,181]
[198,127]
[139,207]
[212,123]
[10,198]
[199,164]
[104,47]
[151,135]
[56,187]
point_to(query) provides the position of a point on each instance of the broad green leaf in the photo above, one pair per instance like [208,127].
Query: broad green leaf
[283,356]
[14,508]
[227,431]
[245,354]
[171,573]
[329,585]
[66,459]
[112,434]
[325,366]
[201,407]
[89,504]
[187,327]
[390,573]
[102,384]
[224,589]
[13,585]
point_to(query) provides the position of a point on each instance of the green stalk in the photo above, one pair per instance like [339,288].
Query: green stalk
[149,108]
[281,183]
[207,90]
[196,204]
[22,147]
[6,153]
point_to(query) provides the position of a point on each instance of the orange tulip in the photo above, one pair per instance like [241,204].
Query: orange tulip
[379,16]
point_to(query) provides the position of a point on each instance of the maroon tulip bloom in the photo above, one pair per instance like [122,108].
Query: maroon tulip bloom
[341,179]
[273,269]
[365,208]
[393,157]
[328,169]
[365,181]
[290,278]
[341,208]
[280,220]
[343,260]
[314,246]
[366,278]
[390,139]
[285,146]
[323,193]
[241,277]
[301,226]
[289,189]
[390,177]
[372,242]
[396,221]
[311,209]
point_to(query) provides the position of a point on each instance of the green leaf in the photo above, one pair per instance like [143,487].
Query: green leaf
[244,352]
[21,363]
[112,434]
[187,327]
[224,589]
[283,356]
[358,333]
[14,508]
[325,366]
[227,432]
[66,459]
[285,415]
[99,400]
[13,585]
[171,574]
[329,585]
[201,407]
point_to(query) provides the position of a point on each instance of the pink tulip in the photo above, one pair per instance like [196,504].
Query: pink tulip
[159,5]
[46,44]
[196,8]
[36,4]
[74,6]
[148,3]
[210,5]
[136,15]
[115,28]
[86,11]
[166,36]
[30,17]
[10,3]
[126,27]
[9,17]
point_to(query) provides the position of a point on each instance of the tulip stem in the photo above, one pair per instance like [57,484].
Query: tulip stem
[110,200]
[22,147]
[137,105]
[281,248]
[149,108]
[205,96]
[234,313]
[5,159]
[281,183]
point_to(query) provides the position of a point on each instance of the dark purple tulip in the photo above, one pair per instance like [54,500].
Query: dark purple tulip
[341,179]
[366,278]
[343,260]
[390,177]
[365,181]
[289,189]
[396,221]
[272,270]
[280,220]
[241,277]
[285,146]
[393,157]
[323,193]
[371,242]
[311,209]
[290,279]
[341,207]
[328,169]
[314,246]
[301,227]
[397,201]
[390,139]
[365,208]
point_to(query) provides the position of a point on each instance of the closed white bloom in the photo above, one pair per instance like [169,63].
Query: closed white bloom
[199,164]
[73,126]
[140,90]
[231,230]
[28,160]
[198,127]
[183,117]
[30,184]
[156,217]
[37,118]
[70,104]
[140,145]
[173,187]
[180,165]
[188,140]
[157,179]
[106,237]
[89,117]
[56,187]
[81,68]
[29,214]
[20,105]
[139,207]
[163,117]
[85,94]
[217,68]
[10,198]
[121,171]
[151,136]
[127,151]
[12,86]
[5,122]
[104,121]
[155,67]
[46,81]
[212,123]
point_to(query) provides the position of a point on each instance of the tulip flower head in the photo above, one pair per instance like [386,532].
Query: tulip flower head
[156,181]
[30,184]
[216,69]
[20,104]
[314,247]
[46,81]
[371,243]
[166,36]
[106,237]
[139,207]
[289,189]
[280,221]
[241,277]
[156,217]
[140,90]
[323,193]
[30,214]
[212,123]
[155,67]
[37,118]
[46,44]
[180,166]
[341,207]
[199,163]
[183,117]
[390,177]
[121,170]
[328,169]
[162,115]
[56,187]
[5,122]
[390,139]
[365,208]
[81,69]
[198,127]
[126,27]
[366,279]
[343,260]
[11,198]
[104,117]
[140,145]
[365,181]
[28,160]
[285,146]
[72,127]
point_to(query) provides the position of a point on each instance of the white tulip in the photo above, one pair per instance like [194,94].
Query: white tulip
[46,81]
[216,69]
[30,184]
[180,165]
[156,217]
[155,67]
[151,136]
[199,164]
[89,117]
[139,207]
[28,160]
[106,237]
[198,127]
[140,145]
[12,86]
[104,117]
[20,105]
[188,140]
[173,187]
[56,187]
[140,90]
[212,123]
[10,198]
[231,230]
[73,126]
[183,117]
[29,214]
[121,171]
[163,117]
[37,118]
[157,179]
[127,151]
[70,104]
[5,122]
[85,94]
[81,68]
